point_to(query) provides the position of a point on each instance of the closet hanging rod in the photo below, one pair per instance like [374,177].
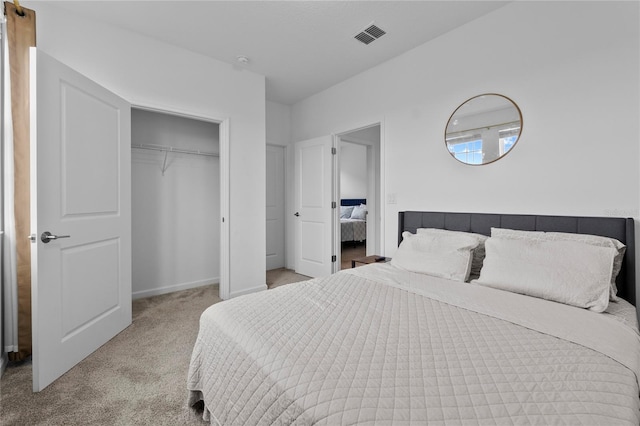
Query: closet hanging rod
[176,150]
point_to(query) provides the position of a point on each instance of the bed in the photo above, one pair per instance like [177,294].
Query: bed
[353,220]
[380,344]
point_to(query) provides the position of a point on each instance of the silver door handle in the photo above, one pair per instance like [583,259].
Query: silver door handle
[48,236]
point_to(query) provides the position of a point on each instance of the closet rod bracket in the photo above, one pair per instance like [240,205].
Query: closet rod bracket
[164,164]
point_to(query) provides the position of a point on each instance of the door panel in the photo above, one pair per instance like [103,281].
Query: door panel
[86,291]
[313,191]
[275,207]
[80,188]
[100,127]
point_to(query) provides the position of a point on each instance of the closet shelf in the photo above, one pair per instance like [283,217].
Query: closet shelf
[176,150]
[168,149]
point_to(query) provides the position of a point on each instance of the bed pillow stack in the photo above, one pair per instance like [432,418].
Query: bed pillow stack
[438,254]
[345,212]
[574,269]
[359,212]
[593,240]
[477,252]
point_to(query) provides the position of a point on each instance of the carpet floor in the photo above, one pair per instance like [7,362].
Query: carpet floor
[137,378]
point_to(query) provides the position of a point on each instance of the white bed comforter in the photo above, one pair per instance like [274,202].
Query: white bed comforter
[377,345]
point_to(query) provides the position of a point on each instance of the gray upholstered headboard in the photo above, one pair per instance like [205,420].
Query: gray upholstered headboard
[621,229]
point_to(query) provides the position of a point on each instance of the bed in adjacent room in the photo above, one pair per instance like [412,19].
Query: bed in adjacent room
[353,220]
[545,332]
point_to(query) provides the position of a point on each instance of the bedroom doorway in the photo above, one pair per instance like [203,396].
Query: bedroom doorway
[316,227]
[358,186]
[176,202]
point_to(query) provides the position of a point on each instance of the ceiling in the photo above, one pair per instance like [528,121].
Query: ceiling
[301,47]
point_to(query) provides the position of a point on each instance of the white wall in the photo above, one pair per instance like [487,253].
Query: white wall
[278,127]
[175,215]
[151,73]
[353,170]
[572,67]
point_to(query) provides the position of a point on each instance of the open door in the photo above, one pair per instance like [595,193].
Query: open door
[80,217]
[313,198]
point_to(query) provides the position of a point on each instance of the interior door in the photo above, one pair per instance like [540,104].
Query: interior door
[81,216]
[275,207]
[313,197]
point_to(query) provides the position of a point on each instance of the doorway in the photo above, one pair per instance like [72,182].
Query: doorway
[359,188]
[176,202]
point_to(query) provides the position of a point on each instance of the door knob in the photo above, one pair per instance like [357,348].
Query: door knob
[296,214]
[48,236]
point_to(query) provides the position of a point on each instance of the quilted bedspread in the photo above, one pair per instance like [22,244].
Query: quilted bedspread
[375,345]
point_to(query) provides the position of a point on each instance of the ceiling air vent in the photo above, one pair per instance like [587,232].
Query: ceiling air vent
[369,34]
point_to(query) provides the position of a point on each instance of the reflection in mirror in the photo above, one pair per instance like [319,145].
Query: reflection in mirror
[483,129]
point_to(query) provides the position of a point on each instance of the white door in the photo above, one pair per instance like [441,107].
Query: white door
[313,197]
[275,207]
[81,193]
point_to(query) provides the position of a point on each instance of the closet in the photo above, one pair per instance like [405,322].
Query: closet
[175,174]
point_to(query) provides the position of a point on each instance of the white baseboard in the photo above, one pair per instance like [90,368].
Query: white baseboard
[171,288]
[248,291]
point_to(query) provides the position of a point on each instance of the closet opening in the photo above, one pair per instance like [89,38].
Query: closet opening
[176,202]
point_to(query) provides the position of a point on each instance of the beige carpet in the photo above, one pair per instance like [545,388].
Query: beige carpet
[137,378]
[281,276]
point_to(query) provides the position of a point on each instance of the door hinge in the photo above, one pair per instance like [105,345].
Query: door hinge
[334,258]
[333,204]
[334,151]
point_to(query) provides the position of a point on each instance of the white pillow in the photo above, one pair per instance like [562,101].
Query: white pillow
[441,255]
[345,212]
[516,234]
[569,272]
[478,252]
[594,240]
[359,212]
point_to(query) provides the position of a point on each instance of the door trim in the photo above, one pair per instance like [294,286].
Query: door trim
[223,122]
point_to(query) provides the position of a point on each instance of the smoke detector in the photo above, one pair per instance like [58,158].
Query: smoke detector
[369,34]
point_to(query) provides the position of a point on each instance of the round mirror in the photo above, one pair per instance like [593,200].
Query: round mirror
[483,129]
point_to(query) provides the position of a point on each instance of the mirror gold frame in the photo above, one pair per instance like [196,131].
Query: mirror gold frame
[483,129]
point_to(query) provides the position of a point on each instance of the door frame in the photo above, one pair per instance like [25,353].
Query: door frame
[223,123]
[380,229]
